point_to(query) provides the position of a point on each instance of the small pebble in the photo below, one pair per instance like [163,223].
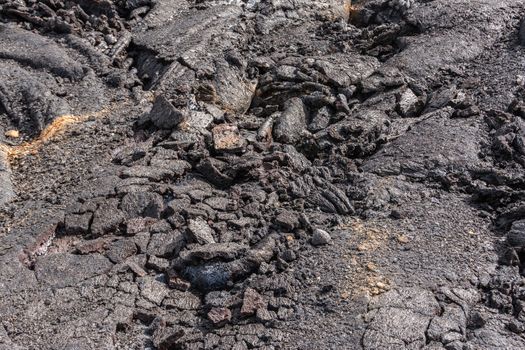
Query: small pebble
[321,237]
[12,134]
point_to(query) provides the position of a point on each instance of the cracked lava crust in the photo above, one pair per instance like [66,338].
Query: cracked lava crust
[262,174]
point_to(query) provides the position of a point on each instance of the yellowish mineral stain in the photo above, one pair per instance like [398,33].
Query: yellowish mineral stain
[52,130]
[364,274]
[12,134]
[57,127]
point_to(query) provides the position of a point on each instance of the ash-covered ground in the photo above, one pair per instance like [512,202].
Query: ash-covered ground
[262,174]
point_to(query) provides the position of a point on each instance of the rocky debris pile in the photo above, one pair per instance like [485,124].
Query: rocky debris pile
[104,24]
[269,125]
[68,74]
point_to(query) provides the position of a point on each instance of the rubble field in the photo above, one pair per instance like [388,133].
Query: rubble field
[262,174]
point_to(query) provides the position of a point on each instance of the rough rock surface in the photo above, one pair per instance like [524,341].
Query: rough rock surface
[262,174]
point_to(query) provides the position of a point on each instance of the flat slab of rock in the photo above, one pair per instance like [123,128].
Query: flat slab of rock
[64,269]
[436,142]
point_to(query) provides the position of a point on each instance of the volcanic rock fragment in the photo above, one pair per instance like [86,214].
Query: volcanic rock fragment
[107,218]
[219,316]
[142,204]
[211,276]
[252,302]
[77,224]
[182,301]
[152,289]
[138,224]
[164,244]
[290,125]
[164,115]
[347,70]
[97,245]
[263,315]
[226,138]
[287,220]
[200,231]
[334,200]
[158,264]
[409,105]
[120,250]
[516,235]
[176,282]
[219,299]
[321,237]
[212,251]
[214,170]
[230,90]
[320,120]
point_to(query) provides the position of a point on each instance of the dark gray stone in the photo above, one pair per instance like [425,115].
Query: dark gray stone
[153,289]
[289,126]
[165,244]
[164,115]
[288,220]
[158,264]
[119,250]
[321,237]
[409,105]
[213,251]
[107,218]
[77,224]
[252,302]
[516,235]
[182,300]
[211,276]
[142,204]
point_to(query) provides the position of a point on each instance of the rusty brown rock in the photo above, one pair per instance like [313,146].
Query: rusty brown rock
[252,302]
[97,245]
[176,282]
[226,138]
[219,316]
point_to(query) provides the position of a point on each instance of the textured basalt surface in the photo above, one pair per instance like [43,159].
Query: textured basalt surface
[267,174]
